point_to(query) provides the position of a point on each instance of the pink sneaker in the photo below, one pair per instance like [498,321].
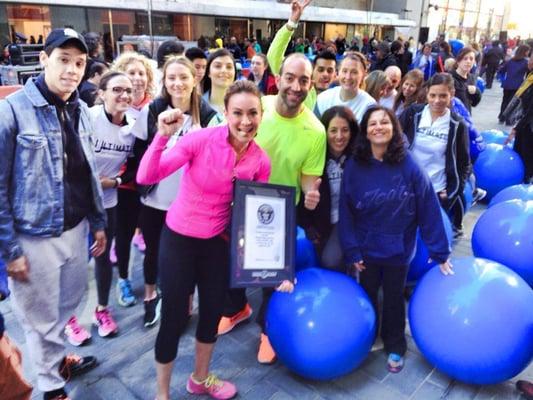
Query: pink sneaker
[138,240]
[113,254]
[214,387]
[105,322]
[76,334]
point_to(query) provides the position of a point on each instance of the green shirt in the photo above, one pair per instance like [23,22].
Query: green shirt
[275,55]
[295,146]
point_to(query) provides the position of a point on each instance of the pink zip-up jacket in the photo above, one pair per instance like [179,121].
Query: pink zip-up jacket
[202,207]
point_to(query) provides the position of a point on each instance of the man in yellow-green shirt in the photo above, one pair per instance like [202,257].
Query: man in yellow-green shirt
[325,64]
[295,141]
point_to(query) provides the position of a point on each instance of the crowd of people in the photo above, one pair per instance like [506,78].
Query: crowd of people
[375,142]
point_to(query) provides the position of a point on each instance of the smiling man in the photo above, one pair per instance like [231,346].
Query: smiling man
[50,195]
[295,142]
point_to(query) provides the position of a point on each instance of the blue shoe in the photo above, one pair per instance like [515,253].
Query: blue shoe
[394,363]
[125,296]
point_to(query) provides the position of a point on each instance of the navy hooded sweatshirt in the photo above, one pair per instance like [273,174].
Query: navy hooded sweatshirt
[381,206]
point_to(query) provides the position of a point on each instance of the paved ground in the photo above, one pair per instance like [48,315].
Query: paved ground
[126,369]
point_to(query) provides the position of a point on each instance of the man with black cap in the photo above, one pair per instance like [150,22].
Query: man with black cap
[50,196]
[384,58]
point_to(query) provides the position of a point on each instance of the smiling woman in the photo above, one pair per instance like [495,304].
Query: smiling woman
[385,196]
[221,72]
[194,250]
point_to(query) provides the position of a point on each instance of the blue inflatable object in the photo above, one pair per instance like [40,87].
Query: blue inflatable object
[325,328]
[517,192]
[420,265]
[456,45]
[480,83]
[494,136]
[504,233]
[498,167]
[305,251]
[477,325]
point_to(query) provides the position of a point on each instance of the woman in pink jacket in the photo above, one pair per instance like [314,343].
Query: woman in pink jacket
[194,247]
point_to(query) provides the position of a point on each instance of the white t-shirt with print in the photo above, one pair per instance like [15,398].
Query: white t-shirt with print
[429,146]
[113,144]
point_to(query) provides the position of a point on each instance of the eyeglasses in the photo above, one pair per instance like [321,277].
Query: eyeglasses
[120,90]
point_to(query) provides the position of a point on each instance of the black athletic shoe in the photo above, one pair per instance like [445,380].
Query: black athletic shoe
[74,365]
[152,311]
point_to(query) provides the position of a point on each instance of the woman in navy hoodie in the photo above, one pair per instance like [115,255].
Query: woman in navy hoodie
[385,197]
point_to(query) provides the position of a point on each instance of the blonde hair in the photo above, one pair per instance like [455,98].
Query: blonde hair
[194,108]
[375,81]
[125,59]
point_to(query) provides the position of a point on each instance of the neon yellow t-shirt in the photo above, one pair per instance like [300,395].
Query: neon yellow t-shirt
[295,146]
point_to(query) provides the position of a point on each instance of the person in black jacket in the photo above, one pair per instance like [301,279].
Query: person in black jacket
[439,141]
[466,89]
[384,58]
[491,60]
[179,91]
[320,224]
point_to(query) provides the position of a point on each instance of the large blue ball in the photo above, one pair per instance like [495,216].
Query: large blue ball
[477,325]
[498,167]
[420,265]
[504,233]
[517,192]
[305,251]
[325,328]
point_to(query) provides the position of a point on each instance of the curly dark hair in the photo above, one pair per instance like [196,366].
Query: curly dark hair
[346,114]
[396,149]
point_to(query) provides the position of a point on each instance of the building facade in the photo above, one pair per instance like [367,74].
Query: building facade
[189,20]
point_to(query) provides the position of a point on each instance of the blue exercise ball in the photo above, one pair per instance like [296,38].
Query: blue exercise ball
[477,325]
[305,251]
[325,328]
[494,136]
[420,263]
[498,167]
[504,233]
[480,83]
[517,192]
[456,45]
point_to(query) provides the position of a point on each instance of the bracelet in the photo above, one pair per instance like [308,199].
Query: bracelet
[291,25]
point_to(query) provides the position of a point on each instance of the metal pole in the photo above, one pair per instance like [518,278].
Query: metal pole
[150,31]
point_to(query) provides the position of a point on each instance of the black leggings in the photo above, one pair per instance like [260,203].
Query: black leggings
[184,262]
[523,145]
[236,300]
[151,222]
[103,270]
[392,278]
[128,209]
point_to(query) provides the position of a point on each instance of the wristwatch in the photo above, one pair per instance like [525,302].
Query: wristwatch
[291,25]
[118,181]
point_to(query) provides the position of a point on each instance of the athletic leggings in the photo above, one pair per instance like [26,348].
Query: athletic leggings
[128,210]
[151,222]
[103,270]
[184,262]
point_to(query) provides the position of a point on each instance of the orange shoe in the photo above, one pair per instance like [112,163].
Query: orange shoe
[226,324]
[266,354]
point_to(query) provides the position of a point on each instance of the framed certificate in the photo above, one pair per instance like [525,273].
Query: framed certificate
[263,234]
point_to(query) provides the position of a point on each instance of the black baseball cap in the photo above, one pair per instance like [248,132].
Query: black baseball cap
[58,38]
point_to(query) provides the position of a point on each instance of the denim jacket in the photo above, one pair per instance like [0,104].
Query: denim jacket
[31,170]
